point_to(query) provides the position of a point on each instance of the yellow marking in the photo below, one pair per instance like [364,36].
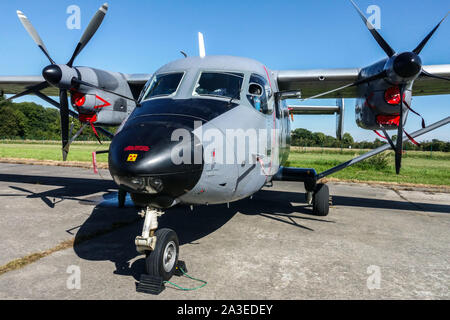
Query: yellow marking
[132,157]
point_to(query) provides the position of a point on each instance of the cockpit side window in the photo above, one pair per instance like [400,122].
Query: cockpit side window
[220,84]
[257,93]
[163,85]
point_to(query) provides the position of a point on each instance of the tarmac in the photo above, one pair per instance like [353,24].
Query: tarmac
[378,242]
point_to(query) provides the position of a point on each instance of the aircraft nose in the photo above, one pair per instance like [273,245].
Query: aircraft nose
[157,155]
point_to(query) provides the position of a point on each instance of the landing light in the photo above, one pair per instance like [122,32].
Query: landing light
[392,95]
[150,185]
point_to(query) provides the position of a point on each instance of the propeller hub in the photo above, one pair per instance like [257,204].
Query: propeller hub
[52,74]
[407,65]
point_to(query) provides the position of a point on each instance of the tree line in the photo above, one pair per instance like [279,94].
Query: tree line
[306,138]
[31,121]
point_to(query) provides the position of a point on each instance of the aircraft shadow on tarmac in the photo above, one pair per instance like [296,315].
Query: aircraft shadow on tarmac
[71,188]
[109,233]
[121,226]
[118,246]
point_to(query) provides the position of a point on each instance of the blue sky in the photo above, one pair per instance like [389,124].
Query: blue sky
[139,36]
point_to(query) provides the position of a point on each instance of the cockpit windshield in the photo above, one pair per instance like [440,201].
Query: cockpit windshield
[220,84]
[163,85]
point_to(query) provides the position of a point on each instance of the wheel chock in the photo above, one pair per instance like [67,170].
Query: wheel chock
[150,284]
[180,269]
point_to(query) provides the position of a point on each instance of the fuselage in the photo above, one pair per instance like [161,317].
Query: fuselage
[206,131]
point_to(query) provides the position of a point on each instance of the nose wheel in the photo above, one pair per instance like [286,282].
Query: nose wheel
[161,247]
[163,260]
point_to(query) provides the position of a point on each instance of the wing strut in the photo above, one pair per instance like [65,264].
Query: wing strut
[382,149]
[310,177]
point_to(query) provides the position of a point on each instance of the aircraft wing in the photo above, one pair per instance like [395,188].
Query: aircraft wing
[17,84]
[316,81]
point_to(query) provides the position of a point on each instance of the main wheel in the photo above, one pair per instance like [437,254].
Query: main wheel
[122,198]
[163,260]
[321,200]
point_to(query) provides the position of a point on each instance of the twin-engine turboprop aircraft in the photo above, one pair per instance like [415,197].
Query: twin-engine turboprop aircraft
[216,129]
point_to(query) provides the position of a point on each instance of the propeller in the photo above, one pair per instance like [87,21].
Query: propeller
[89,32]
[401,68]
[383,44]
[419,48]
[64,76]
[407,65]
[33,34]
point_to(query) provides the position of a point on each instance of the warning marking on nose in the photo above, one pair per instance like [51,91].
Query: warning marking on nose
[132,157]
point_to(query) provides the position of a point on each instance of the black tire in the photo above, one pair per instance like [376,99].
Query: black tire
[321,200]
[122,197]
[154,261]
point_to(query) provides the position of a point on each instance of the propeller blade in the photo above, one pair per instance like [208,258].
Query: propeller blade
[430,75]
[34,35]
[381,75]
[383,44]
[105,132]
[77,134]
[30,90]
[428,37]
[64,113]
[90,31]
[399,144]
[76,81]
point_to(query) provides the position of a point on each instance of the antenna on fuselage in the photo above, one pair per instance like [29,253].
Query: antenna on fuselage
[201,45]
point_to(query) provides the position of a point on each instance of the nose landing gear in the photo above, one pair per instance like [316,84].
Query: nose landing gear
[161,247]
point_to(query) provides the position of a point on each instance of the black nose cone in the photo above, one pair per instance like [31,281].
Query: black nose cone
[52,74]
[157,155]
[407,64]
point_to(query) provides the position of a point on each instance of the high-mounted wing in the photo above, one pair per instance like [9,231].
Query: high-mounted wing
[425,86]
[17,84]
[315,81]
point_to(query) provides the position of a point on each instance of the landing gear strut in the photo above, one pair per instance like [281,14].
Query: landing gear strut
[161,247]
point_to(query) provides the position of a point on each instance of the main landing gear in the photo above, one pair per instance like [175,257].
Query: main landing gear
[161,247]
[319,199]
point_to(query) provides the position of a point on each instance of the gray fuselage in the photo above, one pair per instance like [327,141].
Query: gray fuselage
[238,139]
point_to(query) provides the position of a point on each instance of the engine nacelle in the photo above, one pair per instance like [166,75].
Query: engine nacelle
[100,107]
[380,107]
[379,101]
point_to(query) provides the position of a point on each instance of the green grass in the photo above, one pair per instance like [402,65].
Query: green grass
[418,167]
[52,151]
